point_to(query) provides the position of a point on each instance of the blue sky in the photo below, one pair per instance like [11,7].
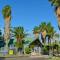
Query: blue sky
[29,13]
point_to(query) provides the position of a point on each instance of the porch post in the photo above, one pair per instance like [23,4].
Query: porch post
[39,50]
[34,50]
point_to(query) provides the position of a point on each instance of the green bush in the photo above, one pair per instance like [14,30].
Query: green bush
[45,50]
[27,50]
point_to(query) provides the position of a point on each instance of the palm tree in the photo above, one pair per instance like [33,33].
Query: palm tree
[50,32]
[42,28]
[6,11]
[19,34]
[46,30]
[56,4]
[36,31]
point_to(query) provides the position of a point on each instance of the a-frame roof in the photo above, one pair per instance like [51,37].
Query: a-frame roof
[36,42]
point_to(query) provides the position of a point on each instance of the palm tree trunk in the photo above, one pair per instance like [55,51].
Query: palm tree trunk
[36,35]
[7,31]
[19,41]
[50,47]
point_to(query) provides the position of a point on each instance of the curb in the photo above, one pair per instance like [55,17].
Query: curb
[13,56]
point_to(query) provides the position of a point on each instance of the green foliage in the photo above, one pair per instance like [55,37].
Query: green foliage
[19,32]
[55,2]
[36,29]
[45,50]
[31,46]
[27,50]
[50,30]
[19,45]
[6,11]
[48,27]
[42,26]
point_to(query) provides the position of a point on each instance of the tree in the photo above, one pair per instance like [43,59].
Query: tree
[19,34]
[6,11]
[56,4]
[42,28]
[36,31]
[50,32]
[2,43]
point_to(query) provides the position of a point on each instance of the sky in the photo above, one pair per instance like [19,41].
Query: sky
[29,13]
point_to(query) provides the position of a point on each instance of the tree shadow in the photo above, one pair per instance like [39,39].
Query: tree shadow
[2,58]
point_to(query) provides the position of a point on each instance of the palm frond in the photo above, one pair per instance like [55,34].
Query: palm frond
[55,2]
[6,11]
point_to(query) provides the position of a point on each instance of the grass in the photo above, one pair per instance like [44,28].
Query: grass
[54,58]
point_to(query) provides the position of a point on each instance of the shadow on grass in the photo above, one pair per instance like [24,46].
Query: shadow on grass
[2,58]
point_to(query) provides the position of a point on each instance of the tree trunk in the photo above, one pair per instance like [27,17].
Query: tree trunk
[19,41]
[7,32]
[50,47]
[7,29]
[36,35]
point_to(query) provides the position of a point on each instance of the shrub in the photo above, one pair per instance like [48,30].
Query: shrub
[27,50]
[45,50]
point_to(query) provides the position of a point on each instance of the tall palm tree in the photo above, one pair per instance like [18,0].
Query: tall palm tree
[46,30]
[42,28]
[50,32]
[6,11]
[56,4]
